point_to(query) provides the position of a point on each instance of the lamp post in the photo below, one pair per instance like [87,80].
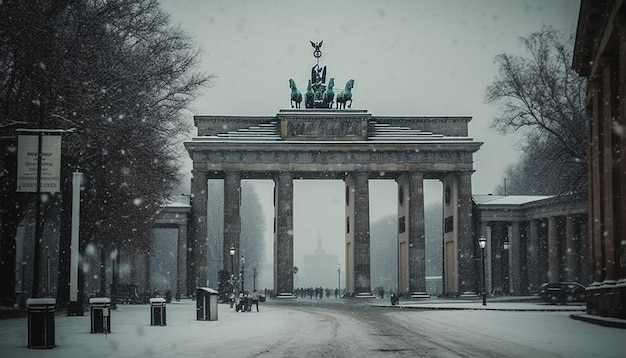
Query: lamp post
[232,275]
[254,267]
[339,278]
[243,261]
[505,246]
[482,242]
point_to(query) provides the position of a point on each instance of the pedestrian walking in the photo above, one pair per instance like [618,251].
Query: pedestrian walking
[255,299]
[240,304]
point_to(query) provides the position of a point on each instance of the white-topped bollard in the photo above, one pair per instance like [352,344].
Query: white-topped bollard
[157,312]
[41,322]
[100,314]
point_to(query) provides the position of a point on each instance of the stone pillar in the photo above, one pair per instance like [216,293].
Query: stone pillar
[533,257]
[181,274]
[597,194]
[403,235]
[515,260]
[571,250]
[459,244]
[361,234]
[349,232]
[198,267]
[498,232]
[411,237]
[283,234]
[417,237]
[232,221]
[553,250]
[465,234]
[610,170]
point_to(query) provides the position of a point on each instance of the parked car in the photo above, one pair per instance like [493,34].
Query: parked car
[562,292]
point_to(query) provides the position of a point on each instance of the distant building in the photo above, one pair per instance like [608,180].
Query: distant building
[320,269]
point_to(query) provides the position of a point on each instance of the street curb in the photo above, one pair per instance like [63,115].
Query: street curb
[599,320]
[434,307]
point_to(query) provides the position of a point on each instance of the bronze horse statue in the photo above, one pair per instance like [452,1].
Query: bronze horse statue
[296,96]
[346,95]
[309,96]
[329,95]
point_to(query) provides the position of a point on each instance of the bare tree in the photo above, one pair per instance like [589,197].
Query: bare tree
[118,73]
[540,94]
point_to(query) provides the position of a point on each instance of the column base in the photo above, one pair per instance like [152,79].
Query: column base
[420,295]
[286,295]
[469,295]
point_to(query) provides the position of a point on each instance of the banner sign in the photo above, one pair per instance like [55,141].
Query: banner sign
[27,155]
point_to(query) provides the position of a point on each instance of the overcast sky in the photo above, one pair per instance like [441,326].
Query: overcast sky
[407,57]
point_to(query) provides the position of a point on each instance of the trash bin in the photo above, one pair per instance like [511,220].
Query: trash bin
[100,314]
[41,322]
[206,304]
[157,311]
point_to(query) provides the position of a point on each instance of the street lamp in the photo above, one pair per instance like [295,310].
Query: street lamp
[339,278]
[505,246]
[254,267]
[482,242]
[243,261]
[232,274]
[232,256]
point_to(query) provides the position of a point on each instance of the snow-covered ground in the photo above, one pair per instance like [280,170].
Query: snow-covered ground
[277,326]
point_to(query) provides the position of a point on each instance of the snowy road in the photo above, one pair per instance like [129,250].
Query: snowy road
[327,328]
[344,328]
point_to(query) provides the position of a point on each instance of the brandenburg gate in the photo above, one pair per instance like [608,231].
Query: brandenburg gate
[350,145]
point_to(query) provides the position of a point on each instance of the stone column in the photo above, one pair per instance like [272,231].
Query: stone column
[596,223]
[411,238]
[283,234]
[181,274]
[361,234]
[417,239]
[495,255]
[515,259]
[553,250]
[466,242]
[198,267]
[571,250]
[349,241]
[232,221]
[533,257]
[610,170]
[403,235]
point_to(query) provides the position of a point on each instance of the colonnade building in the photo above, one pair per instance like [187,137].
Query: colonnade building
[532,240]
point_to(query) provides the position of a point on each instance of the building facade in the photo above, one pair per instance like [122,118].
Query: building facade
[600,56]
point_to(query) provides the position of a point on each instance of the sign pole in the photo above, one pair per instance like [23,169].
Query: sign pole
[74,248]
[38,226]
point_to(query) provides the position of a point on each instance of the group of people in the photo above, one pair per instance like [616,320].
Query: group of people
[315,292]
[245,303]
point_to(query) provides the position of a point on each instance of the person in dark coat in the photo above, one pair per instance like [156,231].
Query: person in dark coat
[255,299]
